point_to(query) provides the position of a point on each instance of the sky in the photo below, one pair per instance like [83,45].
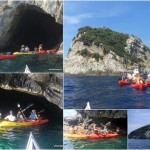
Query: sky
[126,17]
[69,113]
[138,118]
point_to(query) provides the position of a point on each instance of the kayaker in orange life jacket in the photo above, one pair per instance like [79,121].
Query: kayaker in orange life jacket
[33,115]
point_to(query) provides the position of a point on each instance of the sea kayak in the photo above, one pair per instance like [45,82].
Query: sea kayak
[22,53]
[5,123]
[91,136]
[139,86]
[31,53]
[3,57]
[52,51]
[123,82]
[147,83]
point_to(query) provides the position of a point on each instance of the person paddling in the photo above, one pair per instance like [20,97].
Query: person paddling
[40,47]
[20,116]
[33,115]
[10,117]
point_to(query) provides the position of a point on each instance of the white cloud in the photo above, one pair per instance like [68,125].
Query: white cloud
[76,19]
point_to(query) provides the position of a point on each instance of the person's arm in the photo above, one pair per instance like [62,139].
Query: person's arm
[6,117]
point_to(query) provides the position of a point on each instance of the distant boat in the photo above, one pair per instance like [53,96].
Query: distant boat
[27,70]
[32,144]
[88,107]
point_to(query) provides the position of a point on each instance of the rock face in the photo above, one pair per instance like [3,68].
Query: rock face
[90,57]
[31,23]
[49,86]
[115,114]
[141,133]
[111,118]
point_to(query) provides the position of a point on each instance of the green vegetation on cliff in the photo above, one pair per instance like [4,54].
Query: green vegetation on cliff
[104,38]
[86,53]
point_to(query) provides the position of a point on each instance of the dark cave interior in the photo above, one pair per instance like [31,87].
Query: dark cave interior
[32,26]
[10,98]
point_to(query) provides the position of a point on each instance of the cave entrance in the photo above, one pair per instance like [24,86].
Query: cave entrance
[33,26]
[10,98]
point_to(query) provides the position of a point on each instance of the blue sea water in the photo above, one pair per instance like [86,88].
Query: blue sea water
[113,143]
[102,92]
[139,143]
[48,136]
[37,63]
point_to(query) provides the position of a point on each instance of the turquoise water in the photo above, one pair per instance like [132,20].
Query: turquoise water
[113,143]
[37,63]
[48,136]
[139,143]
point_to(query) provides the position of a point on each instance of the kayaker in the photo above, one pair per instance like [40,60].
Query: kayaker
[33,115]
[10,117]
[22,48]
[117,130]
[40,47]
[27,49]
[124,77]
[148,78]
[20,116]
[104,130]
[35,49]
[95,128]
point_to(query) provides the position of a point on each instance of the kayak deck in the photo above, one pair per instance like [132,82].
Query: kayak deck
[91,136]
[5,123]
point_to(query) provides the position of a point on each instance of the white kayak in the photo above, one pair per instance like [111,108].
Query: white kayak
[32,144]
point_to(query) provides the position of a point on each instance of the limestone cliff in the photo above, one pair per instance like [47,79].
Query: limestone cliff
[49,86]
[101,50]
[141,133]
[31,22]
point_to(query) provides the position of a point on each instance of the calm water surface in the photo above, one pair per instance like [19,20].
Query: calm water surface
[48,136]
[113,143]
[139,143]
[37,63]
[103,92]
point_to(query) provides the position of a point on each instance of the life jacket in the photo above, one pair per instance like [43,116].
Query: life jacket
[32,116]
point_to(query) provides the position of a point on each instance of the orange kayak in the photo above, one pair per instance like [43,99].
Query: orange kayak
[123,82]
[139,86]
[147,83]
[91,136]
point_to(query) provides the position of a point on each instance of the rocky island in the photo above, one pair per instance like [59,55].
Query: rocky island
[98,51]
[140,133]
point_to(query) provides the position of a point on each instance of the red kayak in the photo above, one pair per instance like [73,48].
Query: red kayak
[123,82]
[52,51]
[147,83]
[3,57]
[139,86]
[98,136]
[41,52]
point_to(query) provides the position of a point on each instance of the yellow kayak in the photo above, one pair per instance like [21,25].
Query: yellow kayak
[70,135]
[5,123]
[22,53]
[91,136]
